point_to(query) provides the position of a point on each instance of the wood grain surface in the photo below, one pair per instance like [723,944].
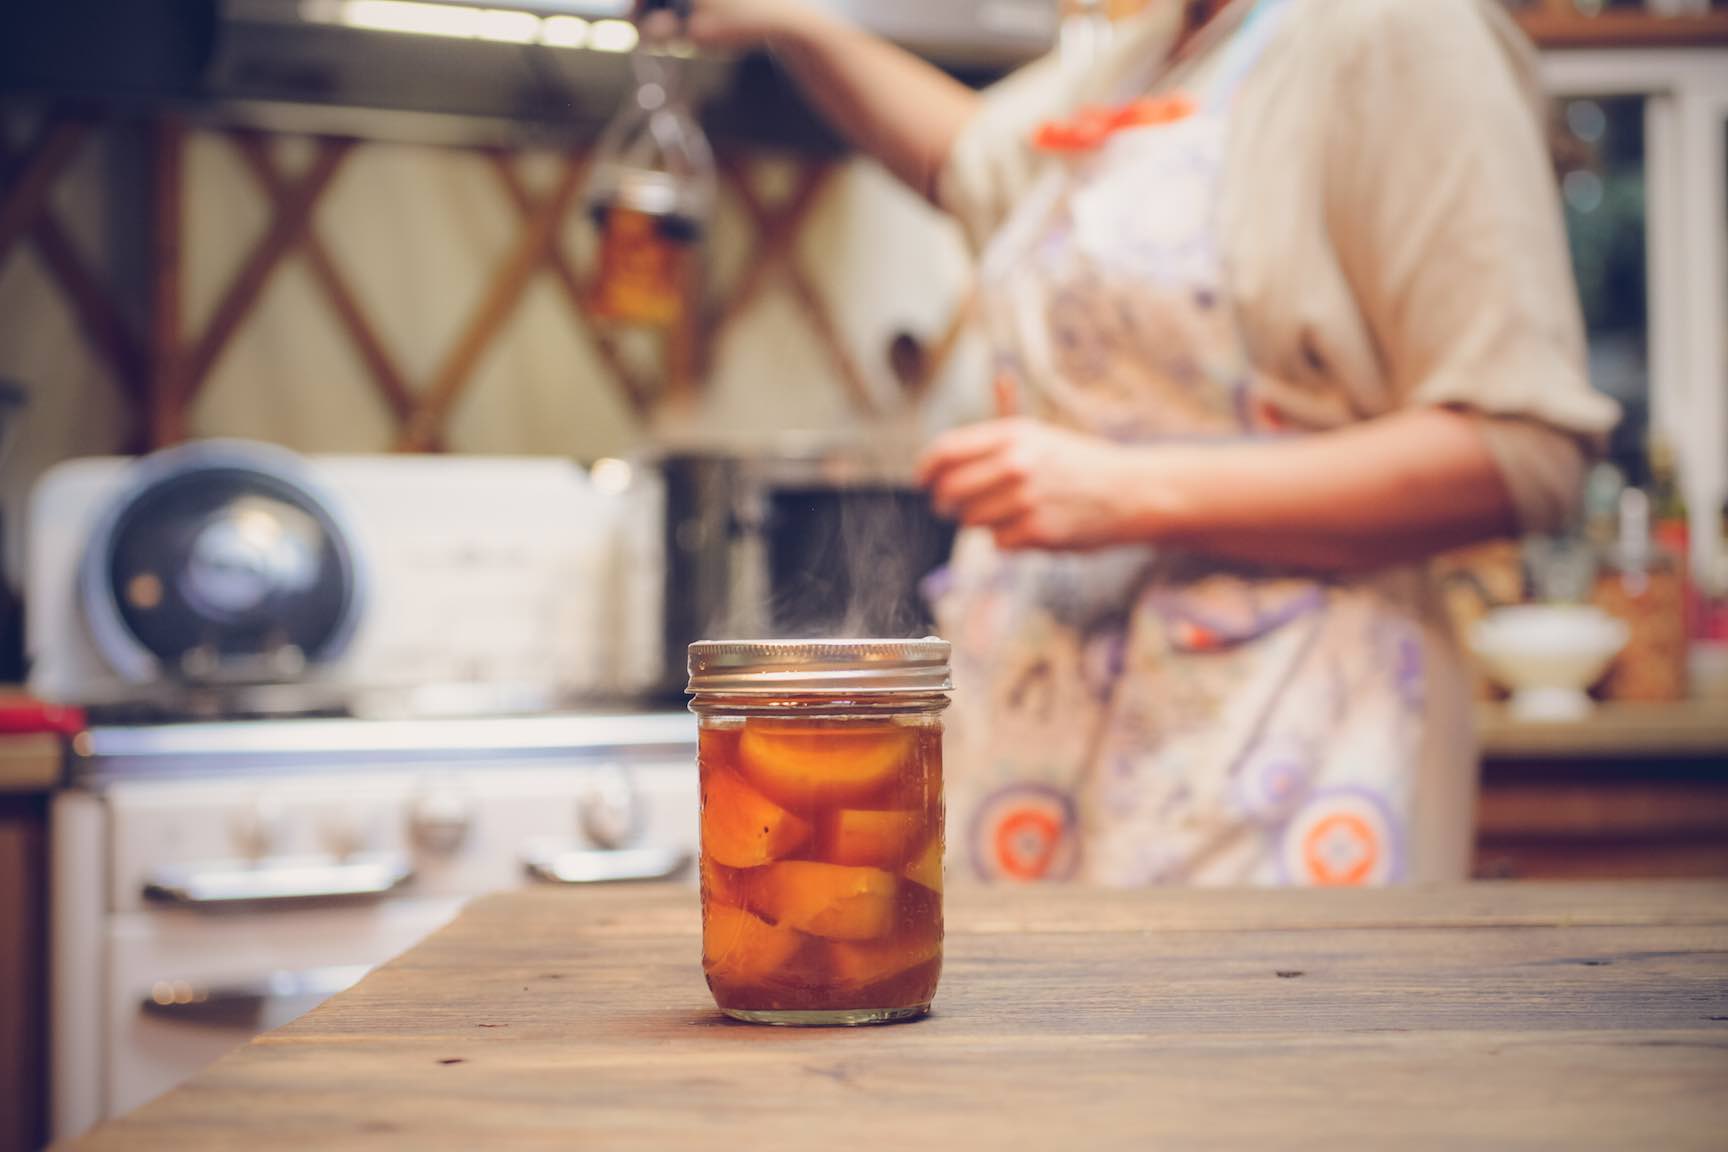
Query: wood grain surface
[1488,1016]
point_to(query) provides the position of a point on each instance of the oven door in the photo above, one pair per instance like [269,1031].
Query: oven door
[184,987]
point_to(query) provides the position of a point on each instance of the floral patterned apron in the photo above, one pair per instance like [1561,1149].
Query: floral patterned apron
[1137,716]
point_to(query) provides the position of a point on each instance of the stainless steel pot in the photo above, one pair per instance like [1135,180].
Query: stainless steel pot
[799,539]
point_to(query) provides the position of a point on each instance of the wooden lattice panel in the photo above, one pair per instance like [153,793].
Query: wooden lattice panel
[164,373]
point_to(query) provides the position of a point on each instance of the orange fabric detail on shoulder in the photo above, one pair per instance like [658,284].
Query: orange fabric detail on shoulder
[1092,124]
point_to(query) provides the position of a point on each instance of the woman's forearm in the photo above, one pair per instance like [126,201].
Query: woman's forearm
[902,110]
[1390,490]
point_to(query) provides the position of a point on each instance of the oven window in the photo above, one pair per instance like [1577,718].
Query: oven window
[1600,154]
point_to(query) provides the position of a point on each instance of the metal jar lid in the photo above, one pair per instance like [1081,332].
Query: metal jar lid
[822,667]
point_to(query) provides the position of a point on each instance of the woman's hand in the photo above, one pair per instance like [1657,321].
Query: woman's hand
[1032,484]
[736,24]
[1390,490]
[900,109]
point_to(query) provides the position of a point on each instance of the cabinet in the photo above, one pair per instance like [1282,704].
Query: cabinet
[1630,792]
[29,767]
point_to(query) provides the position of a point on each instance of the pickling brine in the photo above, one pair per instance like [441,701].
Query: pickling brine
[821,858]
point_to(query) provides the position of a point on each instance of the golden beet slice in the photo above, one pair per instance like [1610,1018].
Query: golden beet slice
[827,900]
[800,765]
[873,961]
[866,836]
[720,883]
[927,869]
[742,828]
[737,946]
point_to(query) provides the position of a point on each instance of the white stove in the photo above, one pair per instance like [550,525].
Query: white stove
[229,576]
[215,878]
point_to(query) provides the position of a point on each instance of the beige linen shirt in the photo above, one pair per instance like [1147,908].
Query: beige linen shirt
[1390,225]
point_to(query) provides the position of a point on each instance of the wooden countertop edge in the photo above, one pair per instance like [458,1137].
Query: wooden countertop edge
[973,909]
[29,763]
[1613,731]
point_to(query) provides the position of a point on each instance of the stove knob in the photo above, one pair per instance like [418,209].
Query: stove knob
[346,832]
[609,812]
[440,816]
[257,830]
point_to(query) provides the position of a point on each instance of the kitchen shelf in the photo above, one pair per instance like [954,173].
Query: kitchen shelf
[1631,791]
[1564,29]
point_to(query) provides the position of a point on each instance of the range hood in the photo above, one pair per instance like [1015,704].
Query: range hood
[458,70]
[991,35]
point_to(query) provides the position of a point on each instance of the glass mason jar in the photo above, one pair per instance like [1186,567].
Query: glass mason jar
[821,765]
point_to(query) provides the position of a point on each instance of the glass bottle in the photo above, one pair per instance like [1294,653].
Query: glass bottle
[650,193]
[1668,514]
[1714,627]
[821,862]
[1666,499]
[1672,527]
[1641,584]
[1602,488]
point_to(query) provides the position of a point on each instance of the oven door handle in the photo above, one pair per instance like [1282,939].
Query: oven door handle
[243,1004]
[287,881]
[607,866]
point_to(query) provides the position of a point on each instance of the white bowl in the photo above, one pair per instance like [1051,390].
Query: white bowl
[1548,655]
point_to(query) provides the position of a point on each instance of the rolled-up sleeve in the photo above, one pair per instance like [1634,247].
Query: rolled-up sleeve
[991,162]
[1442,205]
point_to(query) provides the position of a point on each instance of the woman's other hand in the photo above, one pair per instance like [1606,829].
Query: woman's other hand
[1032,484]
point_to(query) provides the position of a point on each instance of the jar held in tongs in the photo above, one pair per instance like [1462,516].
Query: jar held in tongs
[651,188]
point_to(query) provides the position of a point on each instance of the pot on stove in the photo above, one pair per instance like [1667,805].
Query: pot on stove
[797,537]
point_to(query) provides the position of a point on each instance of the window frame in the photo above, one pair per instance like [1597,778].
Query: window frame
[1686,221]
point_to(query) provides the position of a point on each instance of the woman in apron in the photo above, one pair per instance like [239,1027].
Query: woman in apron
[1280,306]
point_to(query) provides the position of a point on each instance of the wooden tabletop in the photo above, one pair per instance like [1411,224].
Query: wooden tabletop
[1472,1017]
